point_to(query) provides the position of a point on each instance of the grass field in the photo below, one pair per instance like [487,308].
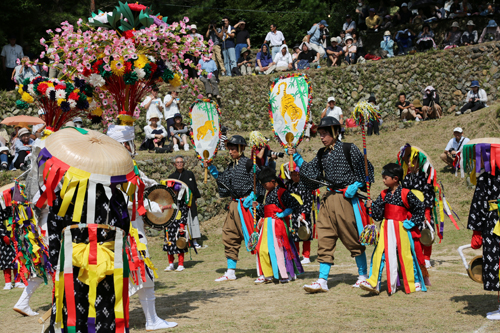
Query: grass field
[453,303]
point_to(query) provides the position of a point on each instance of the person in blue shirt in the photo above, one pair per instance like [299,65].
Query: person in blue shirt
[314,37]
[404,40]
[227,43]
[263,60]
[387,45]
[209,78]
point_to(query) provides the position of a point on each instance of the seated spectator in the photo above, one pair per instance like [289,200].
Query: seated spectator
[434,13]
[403,108]
[404,40]
[373,125]
[356,41]
[487,10]
[349,25]
[386,23]
[476,99]
[210,80]
[387,45]
[432,109]
[342,37]
[155,134]
[25,71]
[307,58]
[334,52]
[452,38]
[419,18]
[457,10]
[295,54]
[373,21]
[263,59]
[334,111]
[179,132]
[245,62]
[404,15]
[416,107]
[454,146]
[470,36]
[314,37]
[282,61]
[349,50]
[22,149]
[425,39]
[490,33]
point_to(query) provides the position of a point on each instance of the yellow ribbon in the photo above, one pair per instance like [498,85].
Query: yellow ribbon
[74,177]
[105,261]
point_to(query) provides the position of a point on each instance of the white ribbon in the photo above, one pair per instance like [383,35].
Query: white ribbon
[95,179]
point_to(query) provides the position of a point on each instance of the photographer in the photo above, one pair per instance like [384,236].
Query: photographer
[23,71]
[227,36]
[431,108]
[454,146]
[212,34]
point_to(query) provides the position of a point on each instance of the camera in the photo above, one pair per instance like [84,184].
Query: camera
[222,22]
[271,153]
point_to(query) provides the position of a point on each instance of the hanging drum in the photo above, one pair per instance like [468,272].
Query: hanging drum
[163,196]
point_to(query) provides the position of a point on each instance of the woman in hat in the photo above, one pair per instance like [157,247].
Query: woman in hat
[155,133]
[417,109]
[244,62]
[452,38]
[470,36]
[476,99]
[387,45]
[350,50]
[179,133]
[23,148]
[302,216]
[490,33]
[425,39]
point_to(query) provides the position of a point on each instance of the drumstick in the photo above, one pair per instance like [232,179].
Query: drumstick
[491,201]
[45,316]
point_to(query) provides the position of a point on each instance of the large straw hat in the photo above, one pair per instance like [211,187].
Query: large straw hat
[6,187]
[92,152]
[484,140]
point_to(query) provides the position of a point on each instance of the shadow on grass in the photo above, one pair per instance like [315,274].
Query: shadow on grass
[252,272]
[192,263]
[181,303]
[477,304]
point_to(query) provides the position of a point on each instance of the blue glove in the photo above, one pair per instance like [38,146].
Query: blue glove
[408,224]
[298,159]
[248,200]
[213,171]
[284,213]
[352,189]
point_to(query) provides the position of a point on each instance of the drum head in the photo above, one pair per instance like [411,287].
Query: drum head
[163,196]
[304,234]
[476,269]
[181,243]
[426,237]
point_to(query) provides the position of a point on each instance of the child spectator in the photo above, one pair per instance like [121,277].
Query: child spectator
[387,45]
[453,37]
[470,36]
[416,107]
[350,50]
[155,133]
[425,39]
[490,33]
[179,133]
[476,99]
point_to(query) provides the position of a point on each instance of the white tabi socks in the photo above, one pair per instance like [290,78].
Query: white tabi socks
[22,306]
[153,322]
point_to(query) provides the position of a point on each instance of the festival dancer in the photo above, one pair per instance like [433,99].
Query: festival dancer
[236,181]
[483,221]
[276,253]
[173,231]
[145,290]
[394,206]
[301,217]
[342,166]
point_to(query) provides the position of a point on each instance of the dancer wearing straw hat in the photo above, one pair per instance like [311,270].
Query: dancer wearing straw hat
[237,182]
[341,214]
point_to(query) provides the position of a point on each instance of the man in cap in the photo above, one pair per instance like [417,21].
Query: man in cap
[341,166]
[145,290]
[476,99]
[314,37]
[242,38]
[334,51]
[236,182]
[373,21]
[349,25]
[454,146]
[10,53]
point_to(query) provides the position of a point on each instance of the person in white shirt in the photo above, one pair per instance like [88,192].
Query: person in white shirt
[333,111]
[171,102]
[349,25]
[153,104]
[155,133]
[476,99]
[23,71]
[10,53]
[276,39]
[454,146]
[281,62]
